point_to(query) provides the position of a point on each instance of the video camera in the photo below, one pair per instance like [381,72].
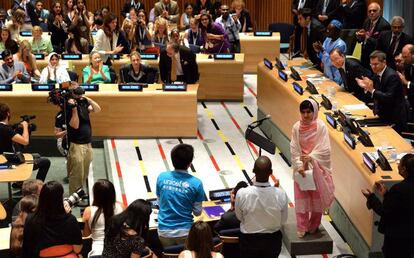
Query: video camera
[74,198]
[32,127]
[60,97]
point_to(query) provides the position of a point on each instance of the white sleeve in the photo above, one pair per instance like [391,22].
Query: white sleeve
[43,75]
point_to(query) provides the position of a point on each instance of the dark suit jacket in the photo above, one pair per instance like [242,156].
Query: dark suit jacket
[149,74]
[409,75]
[128,5]
[30,6]
[173,11]
[354,69]
[391,104]
[354,16]
[188,63]
[317,33]
[227,221]
[311,4]
[384,44]
[371,43]
[396,210]
[331,10]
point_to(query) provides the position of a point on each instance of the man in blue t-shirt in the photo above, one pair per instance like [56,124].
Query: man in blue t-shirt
[180,195]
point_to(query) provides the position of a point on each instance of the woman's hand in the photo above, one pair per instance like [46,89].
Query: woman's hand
[380,188]
[118,49]
[302,171]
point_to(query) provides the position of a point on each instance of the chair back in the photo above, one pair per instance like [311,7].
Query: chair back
[285,30]
[65,251]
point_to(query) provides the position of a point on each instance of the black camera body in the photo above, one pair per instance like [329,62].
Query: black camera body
[60,97]
[74,198]
[32,127]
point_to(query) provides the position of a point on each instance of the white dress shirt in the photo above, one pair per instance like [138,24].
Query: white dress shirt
[261,208]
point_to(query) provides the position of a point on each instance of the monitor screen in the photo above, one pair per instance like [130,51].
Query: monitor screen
[331,121]
[6,87]
[368,162]
[297,88]
[283,75]
[349,140]
[268,63]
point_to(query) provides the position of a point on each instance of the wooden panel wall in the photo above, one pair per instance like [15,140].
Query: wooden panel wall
[263,12]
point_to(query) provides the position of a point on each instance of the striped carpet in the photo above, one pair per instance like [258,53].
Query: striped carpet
[222,157]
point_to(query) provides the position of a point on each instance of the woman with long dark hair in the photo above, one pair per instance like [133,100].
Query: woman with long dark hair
[199,243]
[203,6]
[57,26]
[6,42]
[83,20]
[107,38]
[215,38]
[51,232]
[97,216]
[125,237]
[75,44]
[53,72]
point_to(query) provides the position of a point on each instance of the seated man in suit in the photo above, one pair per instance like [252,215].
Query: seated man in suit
[392,41]
[407,78]
[178,63]
[387,91]
[137,72]
[12,70]
[370,32]
[348,70]
[315,32]
[167,9]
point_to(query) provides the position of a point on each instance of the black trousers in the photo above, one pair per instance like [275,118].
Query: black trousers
[42,164]
[398,247]
[260,245]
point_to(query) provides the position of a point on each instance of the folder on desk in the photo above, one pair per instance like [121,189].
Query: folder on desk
[214,211]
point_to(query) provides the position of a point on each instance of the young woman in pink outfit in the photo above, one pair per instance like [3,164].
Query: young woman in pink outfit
[311,151]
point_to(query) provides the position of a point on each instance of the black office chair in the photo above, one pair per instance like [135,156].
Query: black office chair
[230,239]
[73,76]
[286,31]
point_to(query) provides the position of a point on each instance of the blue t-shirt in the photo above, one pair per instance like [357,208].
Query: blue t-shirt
[177,192]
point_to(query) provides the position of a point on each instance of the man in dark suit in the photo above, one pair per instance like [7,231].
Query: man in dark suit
[396,211]
[387,91]
[315,32]
[370,32]
[349,69]
[353,13]
[136,4]
[327,10]
[178,63]
[392,41]
[135,72]
[296,6]
[407,78]
[167,9]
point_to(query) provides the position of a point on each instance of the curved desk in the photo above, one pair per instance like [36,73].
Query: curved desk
[277,98]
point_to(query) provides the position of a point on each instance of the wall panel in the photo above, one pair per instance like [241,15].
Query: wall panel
[263,12]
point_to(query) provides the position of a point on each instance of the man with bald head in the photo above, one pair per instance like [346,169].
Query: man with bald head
[262,210]
[407,78]
[370,32]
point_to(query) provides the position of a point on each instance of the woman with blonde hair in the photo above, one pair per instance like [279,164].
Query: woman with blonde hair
[161,32]
[40,44]
[16,24]
[96,72]
[128,29]
[25,55]
[238,8]
[28,205]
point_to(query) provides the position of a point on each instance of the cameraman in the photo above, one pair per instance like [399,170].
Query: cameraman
[8,136]
[79,135]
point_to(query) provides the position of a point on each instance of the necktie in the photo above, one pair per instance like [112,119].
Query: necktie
[301,4]
[325,6]
[371,28]
[344,79]
[173,69]
[393,44]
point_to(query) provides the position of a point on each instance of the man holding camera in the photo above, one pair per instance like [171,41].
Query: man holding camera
[8,136]
[79,135]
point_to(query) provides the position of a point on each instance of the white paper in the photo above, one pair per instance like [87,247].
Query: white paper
[305,183]
[355,107]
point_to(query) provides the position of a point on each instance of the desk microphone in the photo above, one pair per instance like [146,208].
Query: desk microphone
[259,122]
[294,55]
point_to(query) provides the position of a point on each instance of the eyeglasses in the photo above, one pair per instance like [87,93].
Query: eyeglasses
[372,11]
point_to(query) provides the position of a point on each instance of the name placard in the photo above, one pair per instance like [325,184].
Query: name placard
[229,56]
[6,87]
[297,88]
[130,87]
[263,33]
[174,87]
[90,87]
[282,75]
[26,33]
[93,33]
[43,86]
[149,56]
[222,194]
[72,57]
[39,56]
[331,121]
[268,63]
[350,140]
[368,162]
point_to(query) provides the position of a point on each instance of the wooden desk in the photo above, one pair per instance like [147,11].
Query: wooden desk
[219,79]
[151,113]
[277,98]
[257,48]
[20,173]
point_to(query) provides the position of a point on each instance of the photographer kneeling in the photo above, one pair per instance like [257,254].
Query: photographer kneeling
[79,135]
[8,135]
